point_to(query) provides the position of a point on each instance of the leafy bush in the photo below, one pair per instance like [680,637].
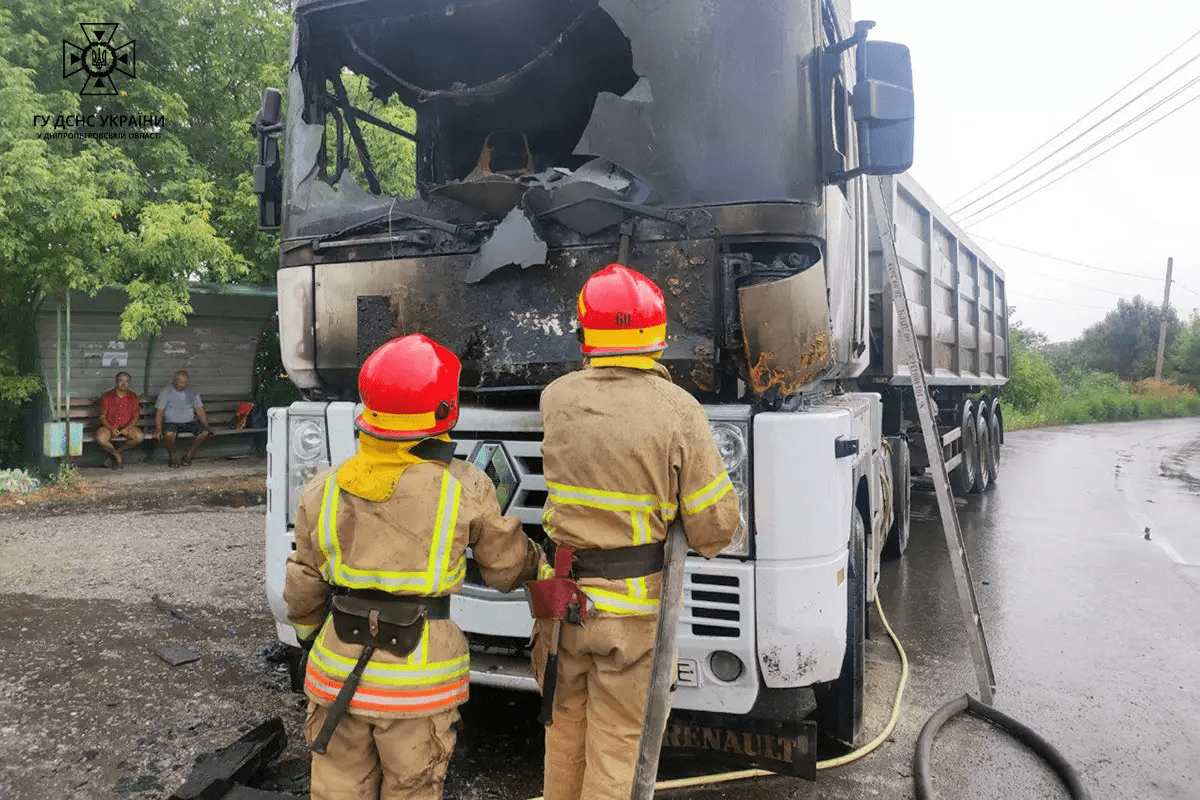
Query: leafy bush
[1032,383]
[66,479]
[17,481]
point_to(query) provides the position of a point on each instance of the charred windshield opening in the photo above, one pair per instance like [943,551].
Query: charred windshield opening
[580,112]
[495,86]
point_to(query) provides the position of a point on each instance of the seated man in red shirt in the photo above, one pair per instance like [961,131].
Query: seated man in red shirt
[119,409]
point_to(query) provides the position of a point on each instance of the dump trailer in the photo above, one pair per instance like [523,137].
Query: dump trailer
[721,149]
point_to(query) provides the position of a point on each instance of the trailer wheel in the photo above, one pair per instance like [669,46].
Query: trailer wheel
[997,431]
[839,704]
[983,452]
[962,478]
[897,536]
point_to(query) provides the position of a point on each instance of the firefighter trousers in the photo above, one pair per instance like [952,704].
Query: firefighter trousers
[599,706]
[389,759]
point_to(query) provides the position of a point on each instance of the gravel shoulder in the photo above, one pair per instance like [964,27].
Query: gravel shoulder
[87,709]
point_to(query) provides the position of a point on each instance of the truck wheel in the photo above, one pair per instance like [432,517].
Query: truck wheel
[962,478]
[997,430]
[897,536]
[839,704]
[983,453]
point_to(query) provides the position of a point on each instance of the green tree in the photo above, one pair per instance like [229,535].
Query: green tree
[1185,361]
[150,215]
[1126,340]
[1031,381]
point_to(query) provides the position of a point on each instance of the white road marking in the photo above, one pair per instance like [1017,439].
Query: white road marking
[1172,552]
[1144,523]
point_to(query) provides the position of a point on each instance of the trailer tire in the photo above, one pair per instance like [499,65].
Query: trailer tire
[983,453]
[897,536]
[996,426]
[962,478]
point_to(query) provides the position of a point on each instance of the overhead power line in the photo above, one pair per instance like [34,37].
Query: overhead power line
[1186,289]
[1154,278]
[1075,169]
[1065,260]
[1058,302]
[1076,155]
[1091,111]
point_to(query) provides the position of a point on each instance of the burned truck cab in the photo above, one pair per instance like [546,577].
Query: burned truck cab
[546,139]
[459,168]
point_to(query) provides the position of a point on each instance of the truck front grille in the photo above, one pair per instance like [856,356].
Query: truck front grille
[712,605]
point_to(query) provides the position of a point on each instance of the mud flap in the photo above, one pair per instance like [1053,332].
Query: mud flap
[741,743]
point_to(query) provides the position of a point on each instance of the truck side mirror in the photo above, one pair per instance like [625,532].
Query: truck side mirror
[267,182]
[883,108]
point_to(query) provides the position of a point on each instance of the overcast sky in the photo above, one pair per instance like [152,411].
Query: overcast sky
[994,80]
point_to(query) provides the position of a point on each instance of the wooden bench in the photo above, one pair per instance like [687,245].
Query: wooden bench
[221,411]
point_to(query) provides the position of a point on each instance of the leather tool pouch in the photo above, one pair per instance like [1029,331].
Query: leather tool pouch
[392,625]
[559,597]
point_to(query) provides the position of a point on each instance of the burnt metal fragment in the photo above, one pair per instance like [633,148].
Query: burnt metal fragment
[176,654]
[513,242]
[244,761]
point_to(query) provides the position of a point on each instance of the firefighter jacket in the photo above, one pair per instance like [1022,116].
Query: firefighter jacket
[412,542]
[625,451]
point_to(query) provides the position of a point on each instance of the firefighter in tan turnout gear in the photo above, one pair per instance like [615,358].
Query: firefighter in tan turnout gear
[380,547]
[625,451]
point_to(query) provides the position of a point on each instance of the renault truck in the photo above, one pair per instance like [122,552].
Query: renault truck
[722,149]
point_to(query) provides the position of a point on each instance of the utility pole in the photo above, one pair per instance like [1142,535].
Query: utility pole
[1162,326]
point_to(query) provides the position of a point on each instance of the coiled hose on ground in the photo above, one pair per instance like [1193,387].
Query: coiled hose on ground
[921,773]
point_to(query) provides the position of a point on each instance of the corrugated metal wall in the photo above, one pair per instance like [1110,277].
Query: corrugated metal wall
[216,347]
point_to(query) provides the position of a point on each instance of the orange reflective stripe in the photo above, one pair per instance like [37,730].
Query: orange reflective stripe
[373,701]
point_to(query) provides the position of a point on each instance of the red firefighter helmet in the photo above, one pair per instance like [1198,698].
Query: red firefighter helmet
[410,389]
[622,312]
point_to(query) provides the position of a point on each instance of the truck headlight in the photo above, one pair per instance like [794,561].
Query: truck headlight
[731,441]
[308,454]
[731,444]
[308,439]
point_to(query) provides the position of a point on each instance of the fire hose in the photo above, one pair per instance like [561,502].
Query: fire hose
[921,760]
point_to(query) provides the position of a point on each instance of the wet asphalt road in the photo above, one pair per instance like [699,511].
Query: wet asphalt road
[1094,634]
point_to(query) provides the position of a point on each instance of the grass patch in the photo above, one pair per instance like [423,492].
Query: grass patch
[1101,397]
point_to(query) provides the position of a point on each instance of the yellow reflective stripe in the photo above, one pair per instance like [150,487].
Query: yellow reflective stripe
[354,578]
[618,603]
[641,527]
[402,674]
[438,578]
[305,631]
[636,337]
[696,502]
[441,577]
[633,362]
[566,494]
[641,535]
[545,571]
[420,655]
[325,522]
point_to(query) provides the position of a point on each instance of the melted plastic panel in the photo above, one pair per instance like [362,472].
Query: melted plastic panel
[518,329]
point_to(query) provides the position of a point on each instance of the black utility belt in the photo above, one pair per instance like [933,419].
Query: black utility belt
[435,607]
[384,620]
[637,561]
